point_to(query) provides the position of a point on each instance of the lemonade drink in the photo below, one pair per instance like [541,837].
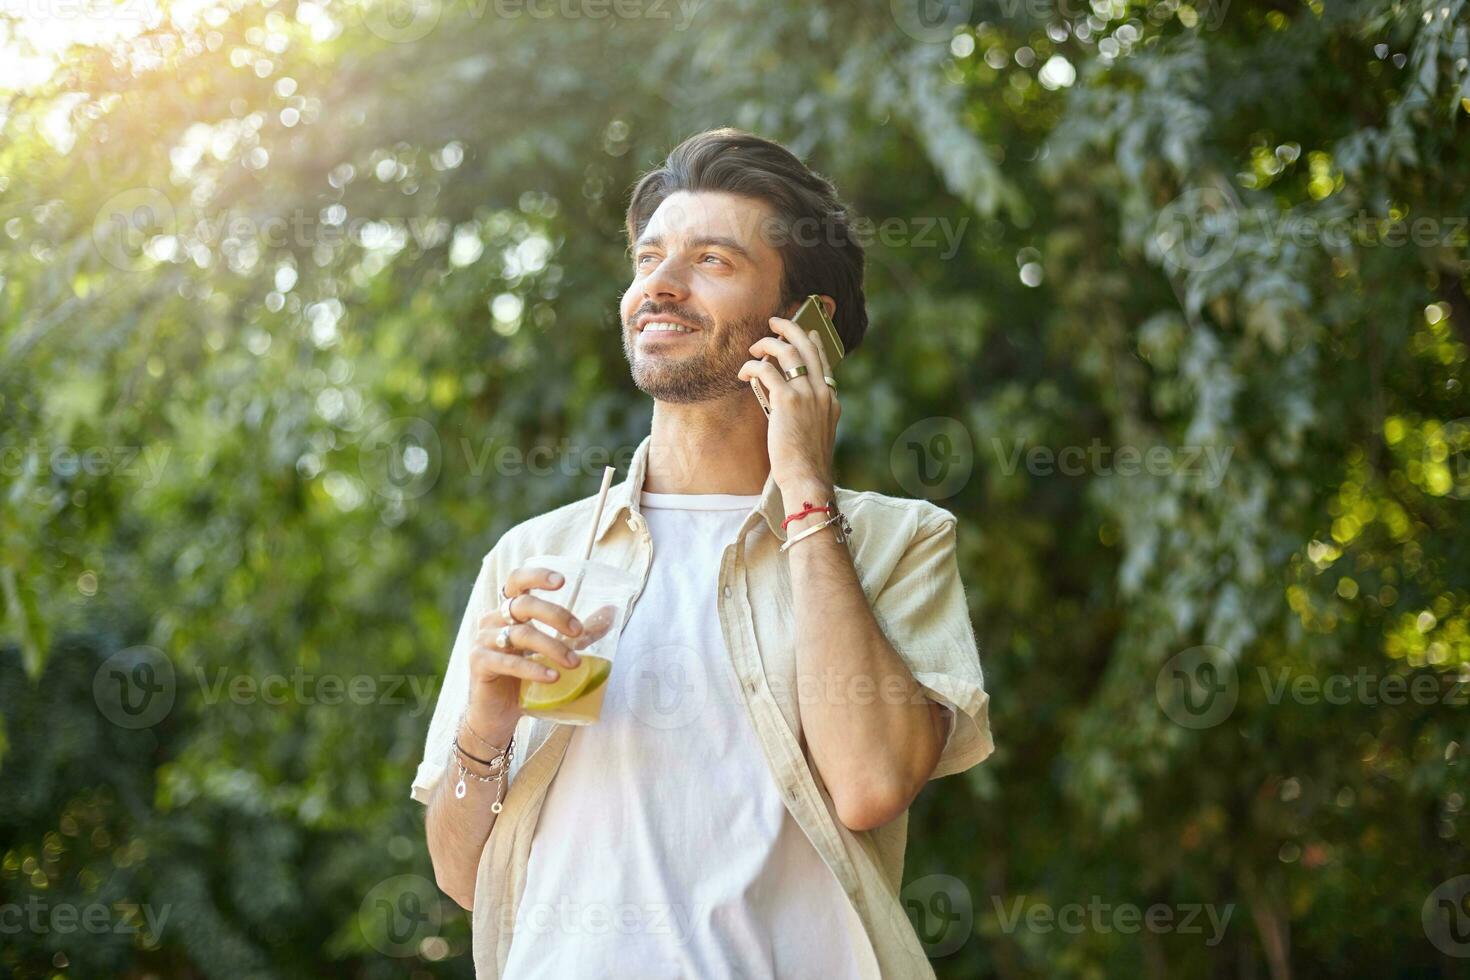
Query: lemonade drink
[575,698]
[597,594]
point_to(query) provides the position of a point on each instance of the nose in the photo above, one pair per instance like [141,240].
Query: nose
[664,284]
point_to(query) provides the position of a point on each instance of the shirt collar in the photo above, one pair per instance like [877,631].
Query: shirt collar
[625,496]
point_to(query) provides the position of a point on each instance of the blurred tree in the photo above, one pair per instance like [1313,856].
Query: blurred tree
[289,291]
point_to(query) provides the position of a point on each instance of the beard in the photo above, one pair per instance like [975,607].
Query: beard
[708,373]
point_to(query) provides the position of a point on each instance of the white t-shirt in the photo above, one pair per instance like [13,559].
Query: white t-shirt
[663,849]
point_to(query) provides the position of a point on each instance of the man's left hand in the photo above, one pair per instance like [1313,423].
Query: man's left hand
[802,427]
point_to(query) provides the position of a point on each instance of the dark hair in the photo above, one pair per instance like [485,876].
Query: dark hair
[828,263]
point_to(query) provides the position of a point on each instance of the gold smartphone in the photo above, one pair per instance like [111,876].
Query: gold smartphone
[811,316]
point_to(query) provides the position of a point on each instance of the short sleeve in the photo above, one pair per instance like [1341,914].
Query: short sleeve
[923,613]
[454,690]
[947,713]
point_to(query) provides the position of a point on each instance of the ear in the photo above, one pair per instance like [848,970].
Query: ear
[829,305]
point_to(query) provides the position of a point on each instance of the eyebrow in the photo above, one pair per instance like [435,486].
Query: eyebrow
[706,241]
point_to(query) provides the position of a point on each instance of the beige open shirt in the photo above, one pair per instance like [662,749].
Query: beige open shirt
[904,552]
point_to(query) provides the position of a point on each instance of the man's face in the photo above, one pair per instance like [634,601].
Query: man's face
[703,265]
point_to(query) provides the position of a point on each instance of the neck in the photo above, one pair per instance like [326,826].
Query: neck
[715,446]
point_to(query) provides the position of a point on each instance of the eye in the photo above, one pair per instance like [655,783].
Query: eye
[710,255]
[643,259]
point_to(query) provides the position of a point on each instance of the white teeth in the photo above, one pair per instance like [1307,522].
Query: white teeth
[659,326]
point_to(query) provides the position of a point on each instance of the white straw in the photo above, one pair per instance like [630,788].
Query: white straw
[607,475]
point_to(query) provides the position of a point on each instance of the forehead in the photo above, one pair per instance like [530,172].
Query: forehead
[687,216]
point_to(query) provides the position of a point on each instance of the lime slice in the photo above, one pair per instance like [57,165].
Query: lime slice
[587,676]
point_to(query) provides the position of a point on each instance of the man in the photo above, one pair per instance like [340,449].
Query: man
[755,824]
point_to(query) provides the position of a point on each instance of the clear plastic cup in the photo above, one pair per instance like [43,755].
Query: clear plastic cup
[598,595]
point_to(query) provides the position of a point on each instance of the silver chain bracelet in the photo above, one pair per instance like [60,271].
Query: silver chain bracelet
[499,768]
[838,520]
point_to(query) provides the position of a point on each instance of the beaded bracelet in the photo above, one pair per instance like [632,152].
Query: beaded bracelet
[495,762]
[499,767]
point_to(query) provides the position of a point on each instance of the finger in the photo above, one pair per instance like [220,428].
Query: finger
[808,348]
[528,638]
[785,354]
[527,578]
[490,664]
[589,638]
[778,387]
[526,607]
[524,640]
[821,358]
[828,390]
[597,626]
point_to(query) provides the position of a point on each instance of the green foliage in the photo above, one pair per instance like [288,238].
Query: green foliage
[284,287]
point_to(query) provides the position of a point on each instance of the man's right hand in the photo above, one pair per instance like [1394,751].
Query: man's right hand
[496,672]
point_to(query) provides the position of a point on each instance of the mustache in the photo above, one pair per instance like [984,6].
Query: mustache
[653,309]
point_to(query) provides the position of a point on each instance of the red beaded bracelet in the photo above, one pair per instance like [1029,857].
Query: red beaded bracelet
[802,513]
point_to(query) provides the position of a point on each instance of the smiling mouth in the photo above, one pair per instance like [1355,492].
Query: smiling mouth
[664,327]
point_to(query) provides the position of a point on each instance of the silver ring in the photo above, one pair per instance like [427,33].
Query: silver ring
[795,372]
[831,381]
[502,638]
[505,610]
